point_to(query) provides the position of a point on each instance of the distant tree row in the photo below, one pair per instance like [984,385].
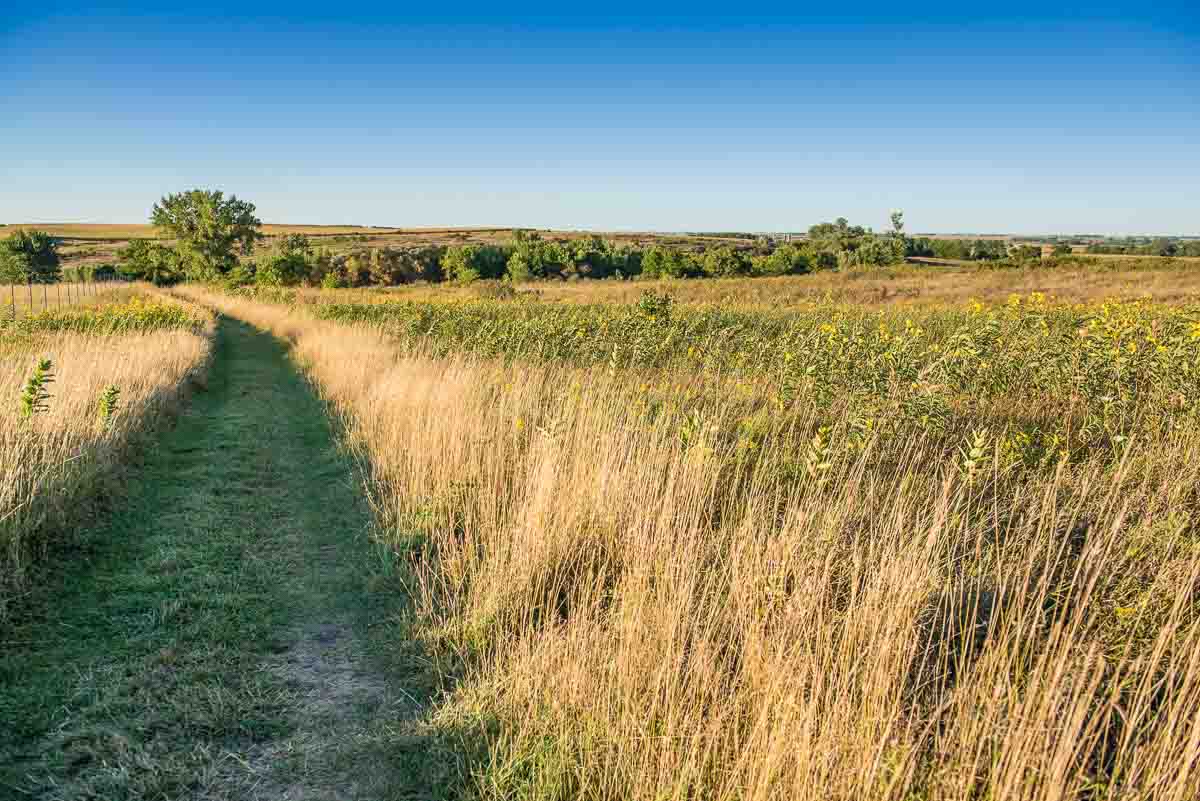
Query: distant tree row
[1156,247]
[959,249]
[214,238]
[207,236]
[980,249]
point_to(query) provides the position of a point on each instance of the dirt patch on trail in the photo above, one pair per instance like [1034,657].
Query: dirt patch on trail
[335,699]
[325,667]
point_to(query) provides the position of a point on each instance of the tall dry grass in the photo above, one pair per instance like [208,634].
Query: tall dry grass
[23,300]
[650,602]
[1162,280]
[56,461]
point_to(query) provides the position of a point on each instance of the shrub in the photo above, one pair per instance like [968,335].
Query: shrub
[466,263]
[725,262]
[784,260]
[533,257]
[146,260]
[29,257]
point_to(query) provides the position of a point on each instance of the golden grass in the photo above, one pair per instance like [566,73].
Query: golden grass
[56,462]
[1176,282]
[661,588]
[21,300]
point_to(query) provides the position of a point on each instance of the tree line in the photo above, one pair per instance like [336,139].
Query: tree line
[980,249]
[213,238]
[1162,246]
[207,236]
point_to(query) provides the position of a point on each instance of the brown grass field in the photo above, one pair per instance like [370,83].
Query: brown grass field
[1173,281]
[679,582]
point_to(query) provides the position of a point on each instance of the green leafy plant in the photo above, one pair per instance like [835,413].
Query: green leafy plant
[110,400]
[655,305]
[974,454]
[35,397]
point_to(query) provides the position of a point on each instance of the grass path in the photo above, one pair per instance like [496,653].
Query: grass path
[214,637]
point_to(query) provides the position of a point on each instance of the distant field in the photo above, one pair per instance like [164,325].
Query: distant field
[926,283]
[1188,259]
[123,231]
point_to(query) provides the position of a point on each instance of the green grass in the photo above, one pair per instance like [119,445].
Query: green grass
[211,633]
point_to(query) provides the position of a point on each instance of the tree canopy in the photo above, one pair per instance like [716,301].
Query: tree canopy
[211,230]
[29,257]
[146,260]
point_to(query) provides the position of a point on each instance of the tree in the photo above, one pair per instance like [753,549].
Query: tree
[1162,247]
[1024,252]
[855,246]
[784,260]
[839,236]
[897,243]
[874,251]
[466,263]
[145,260]
[211,230]
[726,262]
[919,247]
[533,257]
[592,258]
[652,262]
[288,265]
[29,257]
[987,250]
[668,262]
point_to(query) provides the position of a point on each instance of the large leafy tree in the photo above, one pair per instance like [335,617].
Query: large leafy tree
[29,256]
[855,246]
[211,230]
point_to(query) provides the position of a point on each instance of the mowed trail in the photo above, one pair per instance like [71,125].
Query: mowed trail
[209,638]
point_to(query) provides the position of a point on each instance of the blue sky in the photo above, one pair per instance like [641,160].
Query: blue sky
[1026,118]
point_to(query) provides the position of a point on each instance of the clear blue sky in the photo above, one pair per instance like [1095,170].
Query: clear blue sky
[1031,117]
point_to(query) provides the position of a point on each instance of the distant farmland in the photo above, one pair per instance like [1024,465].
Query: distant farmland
[123,231]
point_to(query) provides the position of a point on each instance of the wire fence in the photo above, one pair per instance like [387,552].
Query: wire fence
[26,300]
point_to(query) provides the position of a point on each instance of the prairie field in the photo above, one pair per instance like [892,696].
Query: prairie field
[673,549]
[658,404]
[907,533]
[1172,280]
[79,387]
